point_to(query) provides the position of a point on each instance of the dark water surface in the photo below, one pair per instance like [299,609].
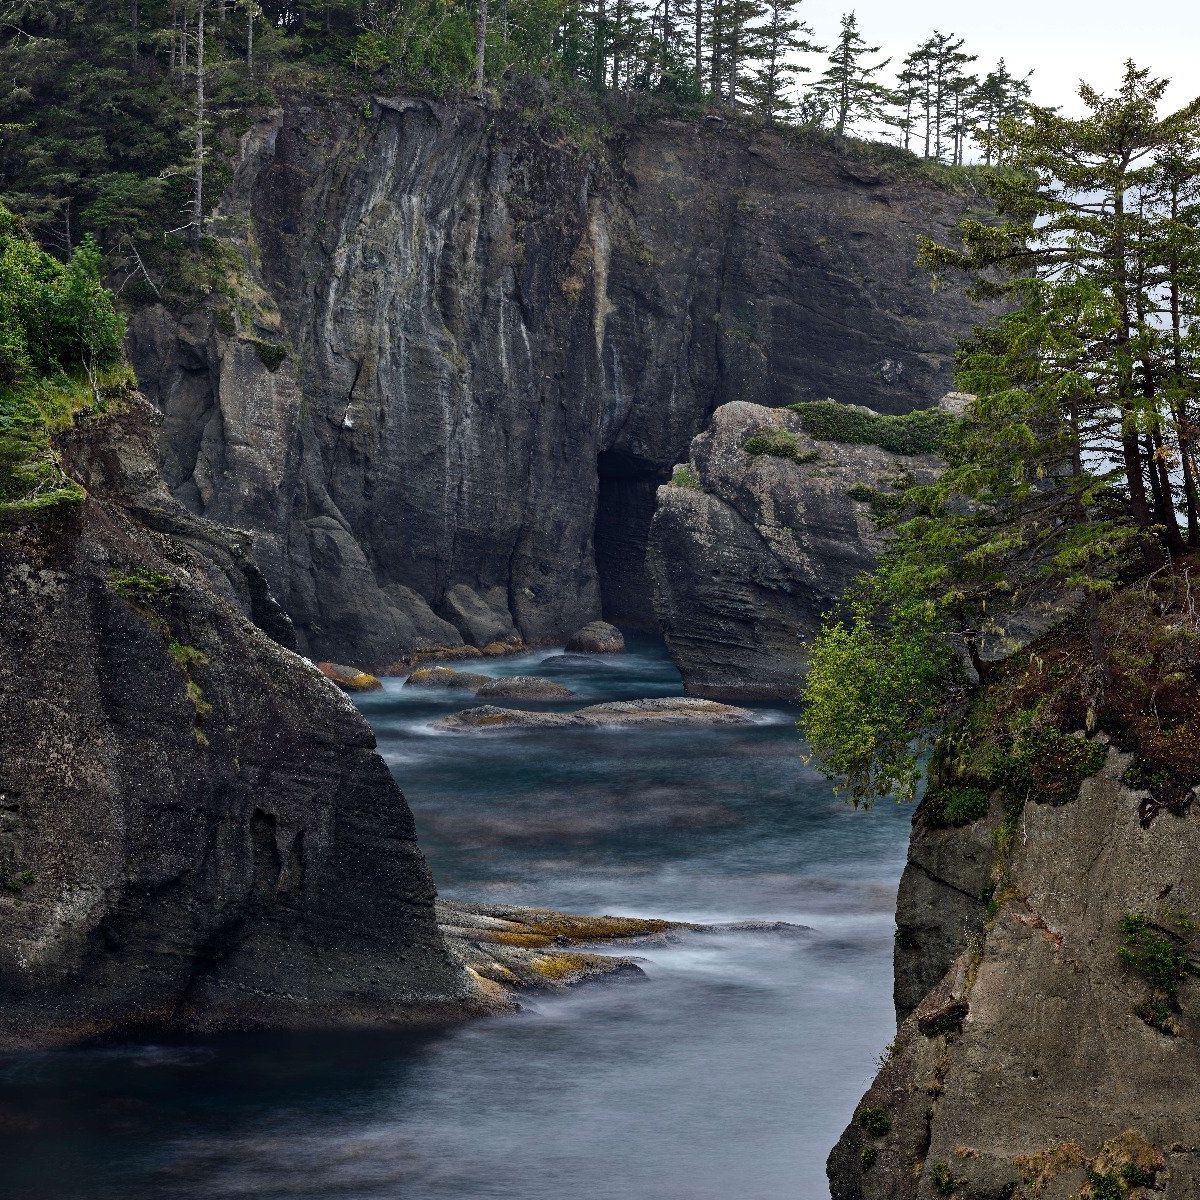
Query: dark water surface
[726,1074]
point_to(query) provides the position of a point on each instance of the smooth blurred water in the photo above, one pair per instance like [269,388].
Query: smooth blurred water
[725,1074]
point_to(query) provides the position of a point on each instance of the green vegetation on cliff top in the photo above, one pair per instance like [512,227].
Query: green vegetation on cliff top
[60,353]
[1071,494]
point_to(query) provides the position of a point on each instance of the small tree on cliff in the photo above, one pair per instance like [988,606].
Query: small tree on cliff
[1061,478]
[849,86]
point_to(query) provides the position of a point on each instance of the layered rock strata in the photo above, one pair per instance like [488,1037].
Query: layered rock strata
[448,354]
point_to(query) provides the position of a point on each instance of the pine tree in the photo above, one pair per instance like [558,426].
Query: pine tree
[1063,477]
[849,85]
[776,42]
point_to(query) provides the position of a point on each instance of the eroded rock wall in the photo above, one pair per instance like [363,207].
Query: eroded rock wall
[483,321]
[1029,1067]
[195,829]
[748,551]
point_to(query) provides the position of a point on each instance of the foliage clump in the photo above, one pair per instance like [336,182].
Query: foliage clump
[874,1120]
[1161,962]
[60,353]
[920,432]
[684,477]
[779,443]
[963,804]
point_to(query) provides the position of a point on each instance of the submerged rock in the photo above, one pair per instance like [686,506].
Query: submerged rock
[446,677]
[349,679]
[599,637]
[525,687]
[672,710]
[536,949]
[575,664]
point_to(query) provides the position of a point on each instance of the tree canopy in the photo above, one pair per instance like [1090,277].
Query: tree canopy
[1074,468]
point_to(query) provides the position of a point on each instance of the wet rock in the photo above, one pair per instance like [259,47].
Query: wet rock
[675,710]
[446,677]
[599,637]
[525,687]
[349,679]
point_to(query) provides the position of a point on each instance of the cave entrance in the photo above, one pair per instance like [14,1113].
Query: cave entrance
[624,509]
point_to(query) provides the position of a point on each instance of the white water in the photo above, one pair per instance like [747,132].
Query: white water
[725,1074]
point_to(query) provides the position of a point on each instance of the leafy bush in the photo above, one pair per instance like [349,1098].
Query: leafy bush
[962,804]
[874,1120]
[60,352]
[918,432]
[779,443]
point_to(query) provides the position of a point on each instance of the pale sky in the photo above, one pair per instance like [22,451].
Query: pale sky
[1065,40]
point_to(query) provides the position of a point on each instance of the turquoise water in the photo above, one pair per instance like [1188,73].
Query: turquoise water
[726,1073]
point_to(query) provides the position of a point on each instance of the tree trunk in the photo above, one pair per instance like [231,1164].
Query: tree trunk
[480,45]
[198,194]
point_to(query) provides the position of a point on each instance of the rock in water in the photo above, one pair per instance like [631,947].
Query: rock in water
[447,677]
[349,679]
[673,710]
[525,687]
[748,554]
[195,829]
[599,637]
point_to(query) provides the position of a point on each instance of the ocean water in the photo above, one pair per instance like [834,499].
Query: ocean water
[726,1072]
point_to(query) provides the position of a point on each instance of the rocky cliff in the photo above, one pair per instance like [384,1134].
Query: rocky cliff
[756,538]
[1044,985]
[452,352]
[195,830]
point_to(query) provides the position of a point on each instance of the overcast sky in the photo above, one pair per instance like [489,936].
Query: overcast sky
[1065,40]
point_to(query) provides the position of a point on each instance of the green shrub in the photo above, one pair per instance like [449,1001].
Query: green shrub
[918,432]
[141,587]
[943,1179]
[60,354]
[272,355]
[779,443]
[868,1157]
[1157,959]
[874,1120]
[685,477]
[963,803]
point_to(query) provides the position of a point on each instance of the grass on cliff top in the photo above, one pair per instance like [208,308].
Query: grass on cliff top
[919,432]
[1022,729]
[60,353]
[32,478]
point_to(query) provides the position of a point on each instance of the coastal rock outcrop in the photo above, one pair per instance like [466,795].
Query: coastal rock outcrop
[451,354]
[757,537]
[195,829]
[1048,1001]
[672,710]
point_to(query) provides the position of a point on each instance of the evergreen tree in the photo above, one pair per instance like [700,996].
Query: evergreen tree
[775,43]
[849,85]
[1059,480]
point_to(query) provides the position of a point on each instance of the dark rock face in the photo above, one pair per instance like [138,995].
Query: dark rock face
[746,559]
[497,346]
[195,830]
[1029,1067]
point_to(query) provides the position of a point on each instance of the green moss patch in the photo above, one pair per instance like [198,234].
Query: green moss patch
[272,356]
[685,477]
[915,433]
[874,1120]
[779,443]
